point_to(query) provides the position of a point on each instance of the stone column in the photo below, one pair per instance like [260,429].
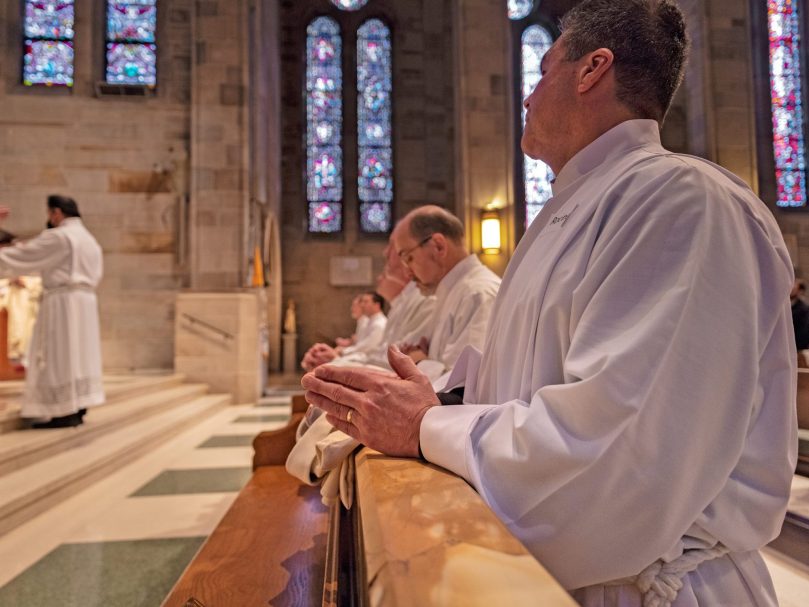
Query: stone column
[219,150]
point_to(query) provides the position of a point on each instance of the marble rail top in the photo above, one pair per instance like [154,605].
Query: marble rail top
[429,539]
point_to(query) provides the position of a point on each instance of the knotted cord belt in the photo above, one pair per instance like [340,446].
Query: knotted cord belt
[660,582]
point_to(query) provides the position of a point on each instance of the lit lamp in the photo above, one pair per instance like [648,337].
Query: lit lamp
[490,232]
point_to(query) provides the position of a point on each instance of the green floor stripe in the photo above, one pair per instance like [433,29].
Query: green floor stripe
[137,573]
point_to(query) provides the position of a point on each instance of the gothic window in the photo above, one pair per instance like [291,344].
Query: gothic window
[48,45]
[131,42]
[536,175]
[349,5]
[375,170]
[787,102]
[324,118]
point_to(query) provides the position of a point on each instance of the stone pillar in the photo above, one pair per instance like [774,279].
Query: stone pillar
[219,150]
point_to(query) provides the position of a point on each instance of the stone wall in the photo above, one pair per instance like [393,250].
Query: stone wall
[124,159]
[423,146]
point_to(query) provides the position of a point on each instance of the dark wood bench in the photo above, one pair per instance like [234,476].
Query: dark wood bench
[270,547]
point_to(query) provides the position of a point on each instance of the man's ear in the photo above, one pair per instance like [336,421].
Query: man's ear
[596,67]
[440,242]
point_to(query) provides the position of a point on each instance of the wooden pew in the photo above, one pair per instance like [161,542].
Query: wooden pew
[270,547]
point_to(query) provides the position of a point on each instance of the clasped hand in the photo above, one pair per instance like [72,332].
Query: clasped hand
[381,410]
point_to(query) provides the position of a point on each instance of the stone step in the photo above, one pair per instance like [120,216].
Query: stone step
[26,447]
[34,489]
[116,388]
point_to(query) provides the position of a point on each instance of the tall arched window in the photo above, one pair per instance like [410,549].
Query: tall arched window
[787,102]
[48,44]
[131,42]
[324,119]
[537,175]
[375,158]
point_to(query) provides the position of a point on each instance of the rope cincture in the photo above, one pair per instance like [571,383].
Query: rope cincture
[660,582]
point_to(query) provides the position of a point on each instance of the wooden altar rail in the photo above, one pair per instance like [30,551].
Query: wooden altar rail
[416,535]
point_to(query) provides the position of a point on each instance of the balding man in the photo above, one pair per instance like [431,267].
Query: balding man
[629,421]
[430,243]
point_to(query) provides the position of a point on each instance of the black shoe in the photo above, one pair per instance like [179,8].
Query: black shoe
[81,413]
[66,421]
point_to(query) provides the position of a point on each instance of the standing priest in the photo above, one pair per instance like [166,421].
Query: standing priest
[64,376]
[632,415]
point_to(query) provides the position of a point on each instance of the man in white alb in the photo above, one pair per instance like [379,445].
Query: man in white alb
[632,415]
[64,376]
[430,242]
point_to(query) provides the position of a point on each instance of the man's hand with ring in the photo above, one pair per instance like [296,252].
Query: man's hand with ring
[380,410]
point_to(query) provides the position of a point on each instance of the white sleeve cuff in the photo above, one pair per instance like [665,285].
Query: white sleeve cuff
[433,369]
[444,436]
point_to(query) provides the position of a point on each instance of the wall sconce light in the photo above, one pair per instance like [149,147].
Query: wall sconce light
[490,231]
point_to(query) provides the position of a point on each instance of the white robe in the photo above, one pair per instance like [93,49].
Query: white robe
[410,318]
[464,301]
[636,393]
[64,364]
[370,335]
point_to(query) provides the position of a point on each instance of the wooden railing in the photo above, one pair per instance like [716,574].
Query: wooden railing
[416,535]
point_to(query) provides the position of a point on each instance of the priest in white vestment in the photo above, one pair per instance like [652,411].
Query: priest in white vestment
[632,416]
[430,242]
[64,376]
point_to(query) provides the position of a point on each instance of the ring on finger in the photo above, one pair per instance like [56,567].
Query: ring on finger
[348,417]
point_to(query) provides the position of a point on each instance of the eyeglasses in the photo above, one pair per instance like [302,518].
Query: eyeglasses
[407,256]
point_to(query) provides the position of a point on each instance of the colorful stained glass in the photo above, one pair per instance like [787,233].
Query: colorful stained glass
[48,46]
[324,119]
[132,21]
[53,20]
[537,175]
[787,102]
[349,5]
[374,109]
[518,9]
[131,49]
[48,62]
[375,217]
[131,63]
[325,217]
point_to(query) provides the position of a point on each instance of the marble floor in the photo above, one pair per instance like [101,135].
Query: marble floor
[123,541]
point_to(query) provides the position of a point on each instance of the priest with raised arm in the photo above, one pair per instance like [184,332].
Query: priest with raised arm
[631,422]
[64,375]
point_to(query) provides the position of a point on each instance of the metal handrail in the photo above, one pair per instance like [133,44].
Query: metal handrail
[197,321]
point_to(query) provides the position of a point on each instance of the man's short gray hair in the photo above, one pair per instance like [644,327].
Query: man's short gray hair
[649,41]
[435,220]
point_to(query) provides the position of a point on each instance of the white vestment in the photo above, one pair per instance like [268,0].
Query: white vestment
[64,362]
[464,300]
[410,318]
[370,335]
[635,398]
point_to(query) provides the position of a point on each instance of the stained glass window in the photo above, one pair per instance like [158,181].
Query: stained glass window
[787,102]
[517,9]
[374,86]
[349,5]
[48,52]
[324,119]
[537,175]
[131,48]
